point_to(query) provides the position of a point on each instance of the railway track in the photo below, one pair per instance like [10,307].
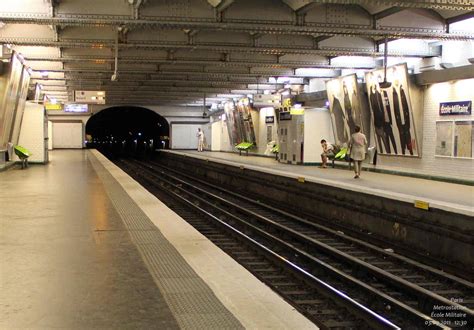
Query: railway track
[390,286]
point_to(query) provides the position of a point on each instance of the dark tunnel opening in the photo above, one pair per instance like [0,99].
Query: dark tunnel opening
[127,131]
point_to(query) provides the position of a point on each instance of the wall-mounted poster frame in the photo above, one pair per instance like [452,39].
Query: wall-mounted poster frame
[231,121]
[393,115]
[345,108]
[10,99]
[20,107]
[455,139]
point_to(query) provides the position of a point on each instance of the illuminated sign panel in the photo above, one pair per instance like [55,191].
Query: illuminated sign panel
[53,106]
[71,107]
[455,108]
[90,97]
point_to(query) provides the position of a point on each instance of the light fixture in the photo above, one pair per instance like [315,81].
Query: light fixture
[446,65]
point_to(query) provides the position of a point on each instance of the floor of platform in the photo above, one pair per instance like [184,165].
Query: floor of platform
[447,196]
[85,246]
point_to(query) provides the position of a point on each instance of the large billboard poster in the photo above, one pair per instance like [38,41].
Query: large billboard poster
[232,123]
[392,112]
[10,99]
[346,108]
[246,123]
[25,81]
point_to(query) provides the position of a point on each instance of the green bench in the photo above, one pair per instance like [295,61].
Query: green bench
[276,150]
[244,146]
[23,154]
[340,154]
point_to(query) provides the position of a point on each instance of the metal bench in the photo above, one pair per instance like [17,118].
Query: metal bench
[23,154]
[244,146]
[340,154]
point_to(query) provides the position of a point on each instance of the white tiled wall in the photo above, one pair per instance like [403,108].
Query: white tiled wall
[317,126]
[462,90]
[33,132]
[261,128]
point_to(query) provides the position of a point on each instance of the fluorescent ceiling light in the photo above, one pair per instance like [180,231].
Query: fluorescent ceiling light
[315,72]
[282,80]
[466,25]
[353,61]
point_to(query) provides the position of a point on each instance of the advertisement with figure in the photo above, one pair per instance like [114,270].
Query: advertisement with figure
[9,99]
[392,112]
[345,108]
[246,123]
[232,123]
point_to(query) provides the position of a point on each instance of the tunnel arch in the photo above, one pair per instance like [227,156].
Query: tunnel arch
[127,125]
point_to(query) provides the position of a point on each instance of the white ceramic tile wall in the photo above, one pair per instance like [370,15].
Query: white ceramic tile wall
[32,133]
[462,90]
[261,130]
[317,126]
[216,133]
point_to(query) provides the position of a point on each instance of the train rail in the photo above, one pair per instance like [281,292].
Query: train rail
[386,286]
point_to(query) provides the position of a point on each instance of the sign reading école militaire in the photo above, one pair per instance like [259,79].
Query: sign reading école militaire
[455,108]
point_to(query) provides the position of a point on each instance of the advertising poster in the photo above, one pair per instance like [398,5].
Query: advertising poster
[444,138]
[231,120]
[25,81]
[346,108]
[246,126]
[463,139]
[392,112]
[10,100]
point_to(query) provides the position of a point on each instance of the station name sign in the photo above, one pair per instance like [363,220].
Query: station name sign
[455,108]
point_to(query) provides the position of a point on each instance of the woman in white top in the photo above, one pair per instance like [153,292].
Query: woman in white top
[358,148]
[200,136]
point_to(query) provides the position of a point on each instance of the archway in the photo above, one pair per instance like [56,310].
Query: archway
[127,130]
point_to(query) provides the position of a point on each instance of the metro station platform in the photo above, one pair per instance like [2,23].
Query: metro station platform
[85,246]
[450,197]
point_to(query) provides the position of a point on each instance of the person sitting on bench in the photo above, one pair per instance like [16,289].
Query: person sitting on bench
[328,151]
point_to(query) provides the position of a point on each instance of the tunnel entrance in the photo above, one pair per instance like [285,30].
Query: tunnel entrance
[126,131]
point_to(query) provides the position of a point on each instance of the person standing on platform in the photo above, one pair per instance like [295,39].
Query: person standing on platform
[328,150]
[200,136]
[358,148]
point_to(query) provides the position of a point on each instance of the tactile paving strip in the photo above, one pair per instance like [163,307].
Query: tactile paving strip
[189,298]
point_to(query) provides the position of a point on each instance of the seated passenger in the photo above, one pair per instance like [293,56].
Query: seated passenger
[328,151]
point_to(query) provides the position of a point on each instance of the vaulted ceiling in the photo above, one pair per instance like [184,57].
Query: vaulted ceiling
[185,51]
